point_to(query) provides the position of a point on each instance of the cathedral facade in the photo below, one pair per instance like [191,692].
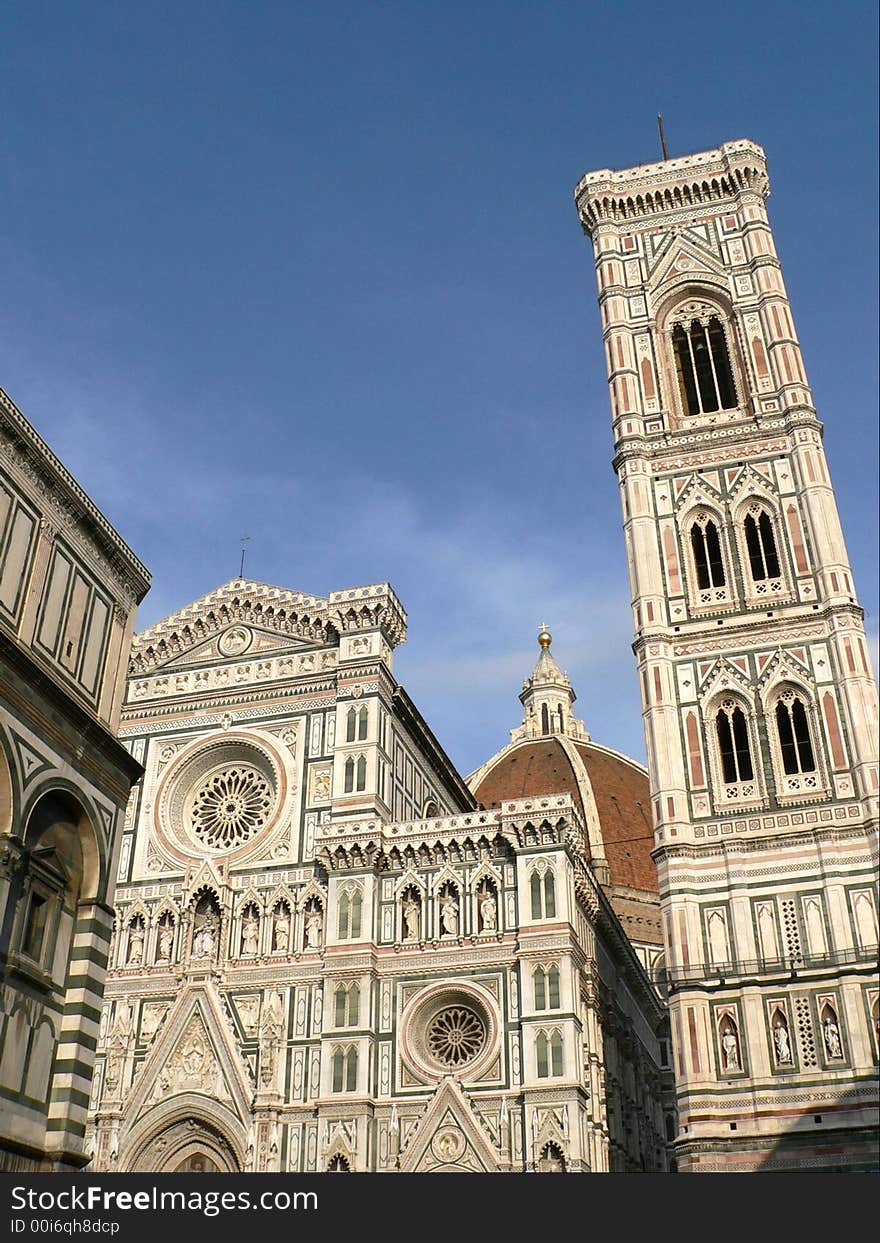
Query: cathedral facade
[328,954]
[760,708]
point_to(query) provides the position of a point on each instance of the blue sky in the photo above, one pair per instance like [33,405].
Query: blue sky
[313,273]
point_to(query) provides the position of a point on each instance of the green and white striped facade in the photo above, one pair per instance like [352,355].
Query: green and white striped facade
[68,591]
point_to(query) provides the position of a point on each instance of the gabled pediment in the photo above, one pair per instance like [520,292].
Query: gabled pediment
[747,479]
[724,674]
[697,490]
[685,255]
[194,1052]
[238,619]
[782,666]
[449,1137]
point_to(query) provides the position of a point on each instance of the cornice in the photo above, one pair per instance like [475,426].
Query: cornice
[27,450]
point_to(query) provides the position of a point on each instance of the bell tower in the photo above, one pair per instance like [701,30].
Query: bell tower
[759,705]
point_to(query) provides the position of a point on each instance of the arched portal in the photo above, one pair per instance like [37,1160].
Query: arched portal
[188,1146]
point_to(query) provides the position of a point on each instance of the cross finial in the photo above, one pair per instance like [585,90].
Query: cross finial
[245,540]
[545,638]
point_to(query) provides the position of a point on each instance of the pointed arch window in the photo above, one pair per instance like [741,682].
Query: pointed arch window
[761,545]
[540,989]
[356,722]
[549,895]
[536,895]
[702,366]
[546,988]
[795,742]
[347,1004]
[344,1070]
[734,750]
[542,890]
[706,546]
[349,922]
[548,1054]
[355,774]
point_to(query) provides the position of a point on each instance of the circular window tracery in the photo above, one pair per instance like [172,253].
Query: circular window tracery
[223,796]
[450,1029]
[231,806]
[455,1036]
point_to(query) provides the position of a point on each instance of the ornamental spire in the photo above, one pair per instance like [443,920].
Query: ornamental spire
[547,697]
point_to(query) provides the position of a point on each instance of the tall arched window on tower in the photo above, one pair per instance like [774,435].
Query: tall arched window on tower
[795,742]
[702,363]
[706,546]
[736,768]
[761,544]
[793,738]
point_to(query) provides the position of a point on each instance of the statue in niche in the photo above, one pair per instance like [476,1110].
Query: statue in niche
[250,933]
[206,933]
[411,918]
[281,930]
[730,1048]
[781,1042]
[449,913]
[135,943]
[831,1036]
[488,912]
[165,942]
[314,926]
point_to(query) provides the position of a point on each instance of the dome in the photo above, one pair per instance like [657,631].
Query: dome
[609,790]
[552,753]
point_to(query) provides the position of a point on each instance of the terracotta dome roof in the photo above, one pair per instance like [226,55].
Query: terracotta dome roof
[610,791]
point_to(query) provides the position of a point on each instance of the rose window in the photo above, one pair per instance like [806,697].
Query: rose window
[231,806]
[455,1036]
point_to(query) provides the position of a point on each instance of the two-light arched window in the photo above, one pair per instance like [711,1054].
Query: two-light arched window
[734,749]
[793,730]
[761,544]
[546,981]
[356,724]
[347,1005]
[708,562]
[344,1070]
[548,1054]
[349,923]
[543,894]
[355,774]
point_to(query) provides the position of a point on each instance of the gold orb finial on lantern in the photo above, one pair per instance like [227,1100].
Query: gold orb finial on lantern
[545,638]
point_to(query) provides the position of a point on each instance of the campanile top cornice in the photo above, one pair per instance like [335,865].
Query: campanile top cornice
[616,195]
